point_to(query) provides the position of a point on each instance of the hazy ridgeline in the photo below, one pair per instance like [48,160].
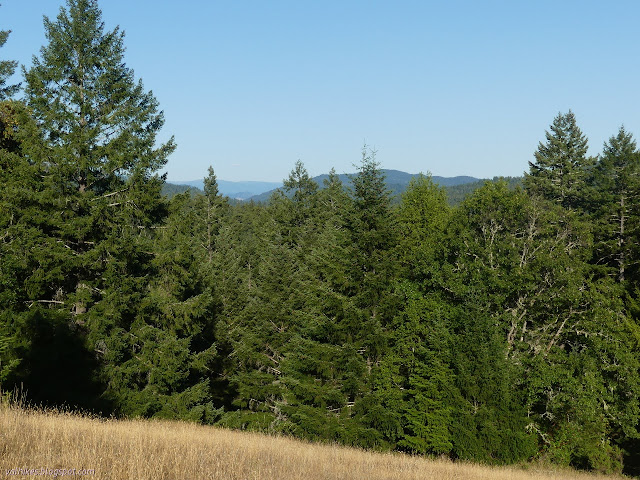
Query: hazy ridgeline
[502,330]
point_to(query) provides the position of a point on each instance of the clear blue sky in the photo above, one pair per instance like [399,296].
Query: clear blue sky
[450,87]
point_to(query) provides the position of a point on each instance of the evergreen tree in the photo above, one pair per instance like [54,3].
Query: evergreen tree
[7,68]
[177,337]
[617,212]
[293,206]
[96,149]
[419,358]
[423,216]
[214,207]
[300,183]
[372,234]
[371,228]
[561,164]
[323,369]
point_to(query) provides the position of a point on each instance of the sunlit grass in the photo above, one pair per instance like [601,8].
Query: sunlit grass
[142,449]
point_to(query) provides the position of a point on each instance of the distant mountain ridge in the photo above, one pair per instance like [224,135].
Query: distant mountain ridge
[237,190]
[397,182]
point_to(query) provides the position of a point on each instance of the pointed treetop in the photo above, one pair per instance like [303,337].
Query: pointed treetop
[369,184]
[211,184]
[7,68]
[561,163]
[565,142]
[97,121]
[300,182]
[332,180]
[620,145]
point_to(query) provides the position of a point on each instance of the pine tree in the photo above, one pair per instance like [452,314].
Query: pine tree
[374,303]
[422,219]
[561,164]
[99,125]
[322,368]
[293,206]
[20,217]
[177,336]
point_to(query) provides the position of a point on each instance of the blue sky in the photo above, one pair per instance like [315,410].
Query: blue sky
[450,87]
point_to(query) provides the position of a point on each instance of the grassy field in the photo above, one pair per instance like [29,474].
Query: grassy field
[53,444]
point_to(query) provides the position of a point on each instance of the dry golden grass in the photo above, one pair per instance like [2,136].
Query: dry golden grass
[141,450]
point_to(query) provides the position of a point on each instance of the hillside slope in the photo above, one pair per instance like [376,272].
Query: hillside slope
[55,444]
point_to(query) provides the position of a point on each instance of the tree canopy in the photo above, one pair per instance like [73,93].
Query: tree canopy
[504,329]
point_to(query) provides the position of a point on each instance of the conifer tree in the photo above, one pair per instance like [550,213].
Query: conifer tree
[20,216]
[561,163]
[293,206]
[372,295]
[300,183]
[180,312]
[372,236]
[421,340]
[96,146]
[7,68]
[323,369]
[213,207]
[617,213]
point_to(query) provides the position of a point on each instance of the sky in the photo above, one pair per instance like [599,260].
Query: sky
[448,87]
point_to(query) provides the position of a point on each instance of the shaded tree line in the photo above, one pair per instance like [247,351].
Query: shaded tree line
[502,330]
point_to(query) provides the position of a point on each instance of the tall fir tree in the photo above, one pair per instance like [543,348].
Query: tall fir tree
[371,227]
[213,208]
[561,164]
[372,232]
[421,341]
[96,149]
[7,68]
[616,179]
[180,310]
[21,215]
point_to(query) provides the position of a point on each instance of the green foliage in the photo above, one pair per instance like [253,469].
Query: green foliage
[90,201]
[7,68]
[551,330]
[422,345]
[561,165]
[456,194]
[372,233]
[170,190]
[616,181]
[502,330]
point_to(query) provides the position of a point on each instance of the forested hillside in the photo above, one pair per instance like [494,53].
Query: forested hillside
[502,330]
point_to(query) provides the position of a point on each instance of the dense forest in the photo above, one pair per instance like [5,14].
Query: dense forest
[504,329]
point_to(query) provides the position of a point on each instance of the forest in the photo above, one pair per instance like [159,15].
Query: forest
[504,329]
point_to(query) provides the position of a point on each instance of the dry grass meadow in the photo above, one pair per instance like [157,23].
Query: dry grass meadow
[140,450]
